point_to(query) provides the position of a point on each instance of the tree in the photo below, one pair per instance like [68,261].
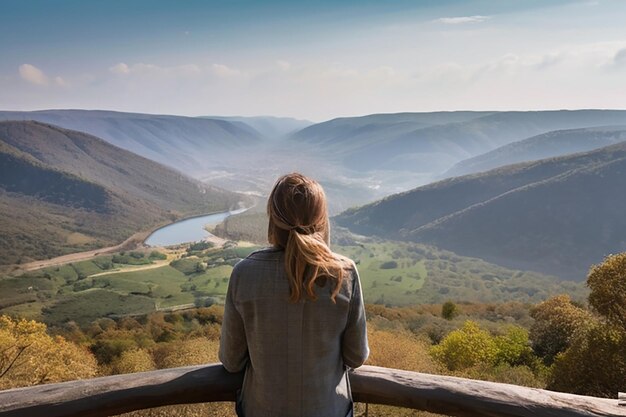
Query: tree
[29,356]
[134,360]
[607,282]
[595,364]
[556,322]
[399,349]
[513,347]
[196,351]
[466,347]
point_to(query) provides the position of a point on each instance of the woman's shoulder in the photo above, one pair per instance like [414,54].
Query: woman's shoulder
[266,254]
[346,262]
[261,256]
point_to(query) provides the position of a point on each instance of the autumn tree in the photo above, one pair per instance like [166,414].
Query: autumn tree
[595,363]
[607,282]
[465,347]
[556,322]
[29,356]
[133,360]
[399,349]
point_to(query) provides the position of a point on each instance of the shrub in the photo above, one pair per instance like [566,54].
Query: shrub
[449,310]
[389,265]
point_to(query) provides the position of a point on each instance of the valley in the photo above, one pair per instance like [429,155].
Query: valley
[475,258]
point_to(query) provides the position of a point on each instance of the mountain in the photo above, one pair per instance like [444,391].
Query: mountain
[63,191]
[270,127]
[556,216]
[433,142]
[547,145]
[189,144]
[357,159]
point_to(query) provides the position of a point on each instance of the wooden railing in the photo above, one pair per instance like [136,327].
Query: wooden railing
[453,396]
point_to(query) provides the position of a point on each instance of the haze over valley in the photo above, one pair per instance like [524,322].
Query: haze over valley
[358,159]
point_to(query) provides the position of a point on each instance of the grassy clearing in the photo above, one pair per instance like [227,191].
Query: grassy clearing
[390,273]
[87,306]
[77,238]
[401,273]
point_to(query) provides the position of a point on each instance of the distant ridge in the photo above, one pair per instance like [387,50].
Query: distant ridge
[557,216]
[546,145]
[190,144]
[63,191]
[433,142]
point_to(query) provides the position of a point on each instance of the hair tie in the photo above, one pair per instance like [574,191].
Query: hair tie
[301,230]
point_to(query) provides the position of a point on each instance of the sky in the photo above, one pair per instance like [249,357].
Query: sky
[313,60]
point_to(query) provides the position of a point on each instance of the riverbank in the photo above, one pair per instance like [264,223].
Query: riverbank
[135,241]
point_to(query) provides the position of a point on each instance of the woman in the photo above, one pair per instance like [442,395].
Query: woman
[294,316]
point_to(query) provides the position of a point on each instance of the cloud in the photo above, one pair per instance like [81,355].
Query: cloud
[120,68]
[32,74]
[224,71]
[462,19]
[154,70]
[60,82]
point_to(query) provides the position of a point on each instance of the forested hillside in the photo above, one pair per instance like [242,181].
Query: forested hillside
[189,144]
[556,216]
[63,191]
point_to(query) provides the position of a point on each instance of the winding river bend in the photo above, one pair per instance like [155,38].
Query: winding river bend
[188,230]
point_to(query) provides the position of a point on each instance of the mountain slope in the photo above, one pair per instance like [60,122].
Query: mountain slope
[62,190]
[189,144]
[556,216]
[433,142]
[547,145]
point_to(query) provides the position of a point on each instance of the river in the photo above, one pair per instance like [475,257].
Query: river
[188,230]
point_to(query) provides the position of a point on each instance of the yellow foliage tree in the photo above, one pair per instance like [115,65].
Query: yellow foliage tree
[134,360]
[29,356]
[188,352]
[607,282]
[399,350]
[466,347]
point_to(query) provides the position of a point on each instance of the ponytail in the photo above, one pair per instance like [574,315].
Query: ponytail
[298,223]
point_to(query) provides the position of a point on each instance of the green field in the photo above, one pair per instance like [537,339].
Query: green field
[88,290]
[403,273]
[392,273]
[389,272]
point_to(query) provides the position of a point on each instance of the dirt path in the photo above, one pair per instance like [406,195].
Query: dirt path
[131,269]
[131,243]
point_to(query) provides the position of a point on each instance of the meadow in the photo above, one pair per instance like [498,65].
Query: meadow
[196,275]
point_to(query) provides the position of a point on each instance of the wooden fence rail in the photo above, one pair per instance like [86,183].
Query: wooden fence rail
[117,394]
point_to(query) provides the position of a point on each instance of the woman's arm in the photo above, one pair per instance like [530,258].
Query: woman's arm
[355,349]
[233,344]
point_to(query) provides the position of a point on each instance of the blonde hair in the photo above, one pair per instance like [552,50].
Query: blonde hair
[298,223]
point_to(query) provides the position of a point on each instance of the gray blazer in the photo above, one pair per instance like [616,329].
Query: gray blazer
[295,354]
